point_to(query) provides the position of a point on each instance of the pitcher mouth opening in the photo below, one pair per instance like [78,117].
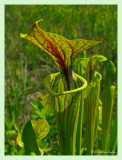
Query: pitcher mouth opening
[98,78]
[48,79]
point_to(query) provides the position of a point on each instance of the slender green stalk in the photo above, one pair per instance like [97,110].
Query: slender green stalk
[113,136]
[80,123]
[91,106]
[80,120]
[108,97]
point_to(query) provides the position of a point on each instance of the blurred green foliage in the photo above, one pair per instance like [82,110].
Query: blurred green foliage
[26,65]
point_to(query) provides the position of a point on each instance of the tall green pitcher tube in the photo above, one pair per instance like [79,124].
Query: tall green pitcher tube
[87,68]
[67,107]
[91,104]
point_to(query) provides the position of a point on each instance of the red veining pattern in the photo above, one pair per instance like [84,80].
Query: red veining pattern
[58,45]
[54,51]
[80,47]
[53,48]
[49,42]
[75,44]
[41,131]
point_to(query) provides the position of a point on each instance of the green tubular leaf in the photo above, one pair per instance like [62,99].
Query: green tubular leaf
[82,67]
[87,67]
[98,58]
[97,127]
[111,71]
[67,110]
[67,120]
[107,99]
[91,103]
[29,139]
[113,136]
[91,95]
[80,123]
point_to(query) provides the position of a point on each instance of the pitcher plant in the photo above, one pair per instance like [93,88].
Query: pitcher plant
[71,92]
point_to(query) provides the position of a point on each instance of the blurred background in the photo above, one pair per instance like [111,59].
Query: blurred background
[26,65]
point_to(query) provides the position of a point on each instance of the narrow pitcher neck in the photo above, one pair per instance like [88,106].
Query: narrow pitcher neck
[67,75]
